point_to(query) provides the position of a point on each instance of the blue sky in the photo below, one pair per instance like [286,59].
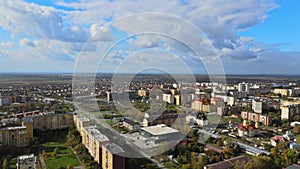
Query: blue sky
[280,27]
[248,36]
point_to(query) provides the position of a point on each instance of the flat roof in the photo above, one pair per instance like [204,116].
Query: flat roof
[114,148]
[159,129]
[96,134]
[26,161]
[15,128]
[82,118]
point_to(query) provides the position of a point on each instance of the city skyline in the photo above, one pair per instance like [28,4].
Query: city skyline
[250,37]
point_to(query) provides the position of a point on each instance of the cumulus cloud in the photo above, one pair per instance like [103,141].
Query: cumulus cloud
[6,44]
[61,34]
[22,18]
[26,42]
[219,20]
[100,33]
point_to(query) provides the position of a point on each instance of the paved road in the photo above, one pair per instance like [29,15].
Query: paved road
[42,162]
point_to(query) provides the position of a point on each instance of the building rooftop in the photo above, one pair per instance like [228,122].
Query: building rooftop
[96,134]
[293,166]
[227,163]
[160,129]
[82,118]
[15,128]
[114,148]
[26,162]
[27,119]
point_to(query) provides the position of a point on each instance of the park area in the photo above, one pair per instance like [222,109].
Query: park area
[57,156]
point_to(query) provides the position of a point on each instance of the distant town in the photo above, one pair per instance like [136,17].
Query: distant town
[152,121]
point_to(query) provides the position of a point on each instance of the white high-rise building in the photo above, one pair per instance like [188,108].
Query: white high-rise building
[257,106]
[243,87]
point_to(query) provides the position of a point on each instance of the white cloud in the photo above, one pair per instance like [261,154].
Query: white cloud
[26,42]
[100,33]
[6,44]
[219,19]
[59,34]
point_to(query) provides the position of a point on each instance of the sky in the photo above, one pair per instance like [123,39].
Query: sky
[174,36]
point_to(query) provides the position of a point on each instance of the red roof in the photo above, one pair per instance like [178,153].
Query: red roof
[278,138]
[250,127]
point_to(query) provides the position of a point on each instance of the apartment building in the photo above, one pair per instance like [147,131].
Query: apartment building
[52,121]
[93,141]
[166,117]
[14,136]
[111,158]
[289,111]
[98,145]
[256,117]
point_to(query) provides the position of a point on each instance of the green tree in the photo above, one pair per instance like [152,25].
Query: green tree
[281,146]
[296,117]
[261,162]
[5,164]
[56,150]
[186,166]
[296,128]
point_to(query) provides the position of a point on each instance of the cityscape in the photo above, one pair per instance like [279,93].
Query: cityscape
[249,121]
[160,84]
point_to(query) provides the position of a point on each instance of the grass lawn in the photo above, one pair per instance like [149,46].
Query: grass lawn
[63,157]
[12,163]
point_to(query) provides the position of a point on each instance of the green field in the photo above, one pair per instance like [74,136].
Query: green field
[62,158]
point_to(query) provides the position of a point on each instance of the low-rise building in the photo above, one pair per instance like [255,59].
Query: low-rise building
[166,117]
[276,139]
[227,164]
[130,125]
[197,118]
[247,129]
[160,133]
[26,162]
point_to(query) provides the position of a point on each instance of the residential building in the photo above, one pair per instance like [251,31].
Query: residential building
[143,93]
[93,140]
[243,87]
[14,136]
[227,164]
[80,122]
[276,139]
[283,92]
[247,129]
[288,112]
[52,121]
[256,117]
[108,96]
[4,101]
[258,106]
[26,162]
[197,118]
[177,100]
[168,97]
[25,114]
[111,158]
[168,118]
[201,105]
[130,125]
